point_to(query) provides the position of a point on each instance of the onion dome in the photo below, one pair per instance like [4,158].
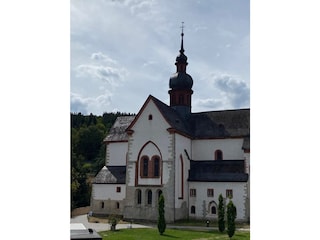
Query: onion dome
[180,79]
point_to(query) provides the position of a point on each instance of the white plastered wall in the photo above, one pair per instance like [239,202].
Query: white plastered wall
[205,149]
[201,199]
[145,131]
[116,153]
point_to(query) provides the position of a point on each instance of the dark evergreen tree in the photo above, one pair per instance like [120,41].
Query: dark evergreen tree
[231,217]
[221,211]
[161,218]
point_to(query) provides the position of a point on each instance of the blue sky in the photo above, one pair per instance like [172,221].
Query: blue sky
[122,51]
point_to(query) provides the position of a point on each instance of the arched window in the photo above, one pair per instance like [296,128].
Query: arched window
[213,210]
[102,204]
[144,166]
[218,155]
[149,200]
[150,117]
[156,166]
[181,99]
[193,210]
[118,205]
[138,196]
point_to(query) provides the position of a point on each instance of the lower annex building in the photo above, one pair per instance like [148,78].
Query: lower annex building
[190,158]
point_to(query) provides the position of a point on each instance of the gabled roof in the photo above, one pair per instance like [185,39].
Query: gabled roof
[117,132]
[203,125]
[217,171]
[111,174]
[220,124]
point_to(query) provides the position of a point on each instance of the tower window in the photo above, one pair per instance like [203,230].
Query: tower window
[181,99]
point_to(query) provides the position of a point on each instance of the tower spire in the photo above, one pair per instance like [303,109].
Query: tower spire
[181,84]
[182,34]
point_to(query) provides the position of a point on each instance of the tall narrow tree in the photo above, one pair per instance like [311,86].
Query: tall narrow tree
[161,219]
[231,216]
[221,221]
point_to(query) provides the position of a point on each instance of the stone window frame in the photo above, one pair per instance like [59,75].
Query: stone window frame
[193,192]
[147,166]
[210,192]
[229,193]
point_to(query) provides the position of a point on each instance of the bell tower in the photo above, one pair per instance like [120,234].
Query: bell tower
[181,84]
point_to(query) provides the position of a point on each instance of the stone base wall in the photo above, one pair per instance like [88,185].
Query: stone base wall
[110,207]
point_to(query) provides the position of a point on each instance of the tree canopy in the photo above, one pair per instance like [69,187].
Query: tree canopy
[87,152]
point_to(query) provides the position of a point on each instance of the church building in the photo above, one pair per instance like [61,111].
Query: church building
[190,158]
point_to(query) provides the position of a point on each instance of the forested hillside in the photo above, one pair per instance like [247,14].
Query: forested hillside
[87,152]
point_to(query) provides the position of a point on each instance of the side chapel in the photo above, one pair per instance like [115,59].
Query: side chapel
[190,158]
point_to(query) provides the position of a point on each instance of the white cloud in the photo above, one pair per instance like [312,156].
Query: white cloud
[88,105]
[236,90]
[100,56]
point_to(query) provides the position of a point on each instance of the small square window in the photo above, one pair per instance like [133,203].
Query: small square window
[193,192]
[210,192]
[229,193]
[118,189]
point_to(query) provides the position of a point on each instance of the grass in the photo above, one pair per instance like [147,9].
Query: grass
[203,223]
[170,234]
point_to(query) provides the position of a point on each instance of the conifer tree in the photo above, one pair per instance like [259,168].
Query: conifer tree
[221,221]
[231,216]
[161,219]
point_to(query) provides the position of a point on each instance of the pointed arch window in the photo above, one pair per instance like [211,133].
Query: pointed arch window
[149,197]
[213,210]
[218,155]
[138,196]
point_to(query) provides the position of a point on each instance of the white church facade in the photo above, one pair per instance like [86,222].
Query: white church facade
[190,158]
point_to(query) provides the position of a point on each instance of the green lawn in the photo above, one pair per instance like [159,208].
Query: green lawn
[153,234]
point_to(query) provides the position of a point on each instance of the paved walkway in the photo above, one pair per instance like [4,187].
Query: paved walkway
[103,226]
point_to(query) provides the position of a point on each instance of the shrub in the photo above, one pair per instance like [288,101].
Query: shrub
[221,221]
[161,219]
[231,216]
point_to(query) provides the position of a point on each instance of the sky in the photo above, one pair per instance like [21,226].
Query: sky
[124,50]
